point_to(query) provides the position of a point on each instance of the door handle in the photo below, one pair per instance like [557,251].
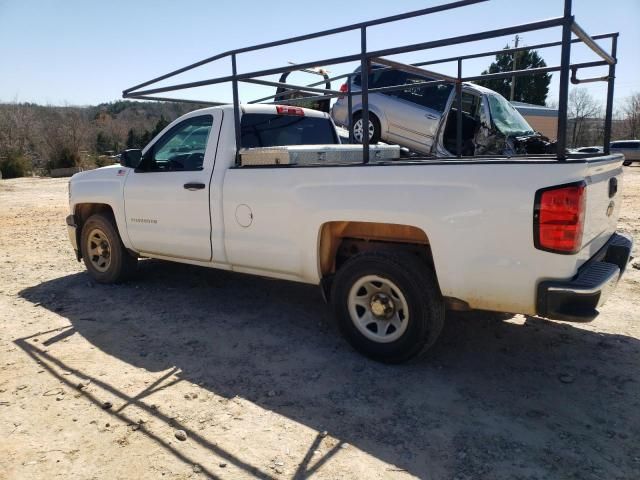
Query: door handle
[194,186]
[430,117]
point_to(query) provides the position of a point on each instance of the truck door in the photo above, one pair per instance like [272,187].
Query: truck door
[167,197]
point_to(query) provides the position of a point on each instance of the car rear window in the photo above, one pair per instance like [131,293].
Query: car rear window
[267,130]
[379,77]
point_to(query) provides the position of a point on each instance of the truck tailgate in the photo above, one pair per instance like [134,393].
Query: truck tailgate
[603,201]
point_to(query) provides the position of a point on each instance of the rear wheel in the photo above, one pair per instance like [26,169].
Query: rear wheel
[105,256]
[626,163]
[388,306]
[358,128]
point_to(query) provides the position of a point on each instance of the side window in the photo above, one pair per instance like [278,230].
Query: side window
[433,96]
[626,145]
[384,78]
[470,105]
[182,148]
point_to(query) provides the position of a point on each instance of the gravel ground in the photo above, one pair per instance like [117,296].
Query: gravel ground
[187,372]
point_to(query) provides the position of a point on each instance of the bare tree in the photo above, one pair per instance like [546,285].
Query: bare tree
[52,136]
[631,116]
[17,123]
[585,115]
[77,128]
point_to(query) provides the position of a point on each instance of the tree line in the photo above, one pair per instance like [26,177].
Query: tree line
[36,138]
[586,115]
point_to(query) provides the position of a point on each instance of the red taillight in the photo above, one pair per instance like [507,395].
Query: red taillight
[287,110]
[559,218]
[344,88]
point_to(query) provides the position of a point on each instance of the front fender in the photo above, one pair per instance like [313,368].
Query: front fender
[102,186]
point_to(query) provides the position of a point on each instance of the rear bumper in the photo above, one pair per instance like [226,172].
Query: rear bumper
[578,299]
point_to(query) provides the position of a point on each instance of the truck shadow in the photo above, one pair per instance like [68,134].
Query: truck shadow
[489,391]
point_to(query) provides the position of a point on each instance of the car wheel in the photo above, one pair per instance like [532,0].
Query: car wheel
[105,256]
[388,305]
[626,163]
[358,130]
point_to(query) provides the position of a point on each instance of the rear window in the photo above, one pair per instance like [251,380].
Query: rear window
[379,77]
[266,130]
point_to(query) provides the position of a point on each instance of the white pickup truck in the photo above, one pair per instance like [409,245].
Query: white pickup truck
[393,243]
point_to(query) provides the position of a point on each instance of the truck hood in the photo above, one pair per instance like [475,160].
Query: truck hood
[107,172]
[102,185]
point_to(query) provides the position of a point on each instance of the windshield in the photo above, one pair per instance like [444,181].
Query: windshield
[506,118]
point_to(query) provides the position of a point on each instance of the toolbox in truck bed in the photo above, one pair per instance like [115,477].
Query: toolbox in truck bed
[315,154]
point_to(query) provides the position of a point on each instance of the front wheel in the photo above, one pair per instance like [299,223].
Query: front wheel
[105,256]
[626,163]
[388,305]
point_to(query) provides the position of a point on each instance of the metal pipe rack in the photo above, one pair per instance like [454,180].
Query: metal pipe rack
[568,71]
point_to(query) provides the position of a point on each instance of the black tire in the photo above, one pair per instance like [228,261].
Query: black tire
[416,284]
[375,138]
[119,265]
[626,163]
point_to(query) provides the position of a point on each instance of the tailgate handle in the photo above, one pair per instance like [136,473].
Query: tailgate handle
[194,186]
[613,186]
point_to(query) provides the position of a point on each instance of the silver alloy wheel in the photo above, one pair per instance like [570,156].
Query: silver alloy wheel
[378,309]
[358,131]
[99,250]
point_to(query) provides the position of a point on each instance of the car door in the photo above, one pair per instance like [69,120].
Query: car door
[416,113]
[167,197]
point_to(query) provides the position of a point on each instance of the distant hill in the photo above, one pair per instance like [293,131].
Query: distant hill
[52,136]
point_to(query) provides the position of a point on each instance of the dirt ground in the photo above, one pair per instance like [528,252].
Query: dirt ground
[95,380]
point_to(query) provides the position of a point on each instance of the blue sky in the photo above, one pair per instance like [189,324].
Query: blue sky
[86,52]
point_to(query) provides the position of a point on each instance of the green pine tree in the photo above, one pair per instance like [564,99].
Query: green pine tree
[529,88]
[133,140]
[103,143]
[159,126]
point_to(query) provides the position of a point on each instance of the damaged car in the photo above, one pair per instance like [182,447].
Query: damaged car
[424,118]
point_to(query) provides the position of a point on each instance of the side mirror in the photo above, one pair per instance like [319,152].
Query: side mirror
[131,157]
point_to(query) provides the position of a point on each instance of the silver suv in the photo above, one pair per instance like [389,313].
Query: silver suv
[629,148]
[423,119]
